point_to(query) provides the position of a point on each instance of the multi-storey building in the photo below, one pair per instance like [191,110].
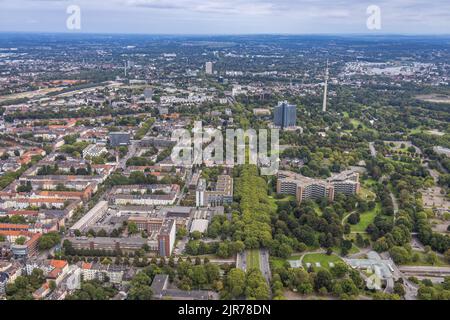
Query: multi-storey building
[221,194]
[209,68]
[118,139]
[303,188]
[285,115]
[97,271]
[166,238]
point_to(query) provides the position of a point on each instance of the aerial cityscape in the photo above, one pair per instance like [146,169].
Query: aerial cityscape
[223,166]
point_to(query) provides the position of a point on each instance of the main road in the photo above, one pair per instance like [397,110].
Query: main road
[241,260]
[264,264]
[131,152]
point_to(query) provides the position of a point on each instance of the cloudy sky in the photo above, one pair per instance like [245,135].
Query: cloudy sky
[227,16]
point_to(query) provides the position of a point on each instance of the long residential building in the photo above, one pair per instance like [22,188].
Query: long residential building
[221,194]
[97,271]
[304,188]
[145,195]
[160,241]
[91,217]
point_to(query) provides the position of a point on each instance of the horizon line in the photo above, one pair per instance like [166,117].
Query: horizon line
[367,34]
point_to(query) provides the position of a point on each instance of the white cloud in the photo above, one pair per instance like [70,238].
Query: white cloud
[274,16]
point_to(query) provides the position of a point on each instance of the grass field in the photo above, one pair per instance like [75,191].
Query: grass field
[322,258]
[252,259]
[415,130]
[354,249]
[356,123]
[352,236]
[366,219]
[367,194]
[423,261]
[277,262]
[367,183]
[273,201]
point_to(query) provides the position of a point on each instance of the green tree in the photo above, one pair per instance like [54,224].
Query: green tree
[235,283]
[132,228]
[323,279]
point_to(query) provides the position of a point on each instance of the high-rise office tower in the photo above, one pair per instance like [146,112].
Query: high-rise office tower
[285,115]
[325,91]
[209,68]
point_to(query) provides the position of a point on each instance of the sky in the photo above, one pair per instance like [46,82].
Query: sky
[228,16]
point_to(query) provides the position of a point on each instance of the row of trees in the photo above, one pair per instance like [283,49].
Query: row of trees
[252,224]
[224,249]
[339,281]
[250,285]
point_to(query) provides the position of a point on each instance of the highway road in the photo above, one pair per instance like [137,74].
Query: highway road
[264,264]
[241,261]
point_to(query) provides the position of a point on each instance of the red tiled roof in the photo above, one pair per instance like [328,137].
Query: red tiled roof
[54,273]
[9,226]
[86,265]
[58,263]
[23,212]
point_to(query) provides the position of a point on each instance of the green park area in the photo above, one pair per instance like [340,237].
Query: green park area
[367,194]
[321,258]
[368,183]
[426,259]
[366,218]
[253,259]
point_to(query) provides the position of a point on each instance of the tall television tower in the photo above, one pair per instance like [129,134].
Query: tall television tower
[325,91]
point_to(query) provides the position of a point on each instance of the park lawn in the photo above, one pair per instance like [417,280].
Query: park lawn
[273,201]
[416,130]
[424,262]
[356,123]
[277,262]
[322,258]
[366,194]
[367,183]
[366,219]
[317,209]
[253,259]
[352,236]
[354,249]
[398,149]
